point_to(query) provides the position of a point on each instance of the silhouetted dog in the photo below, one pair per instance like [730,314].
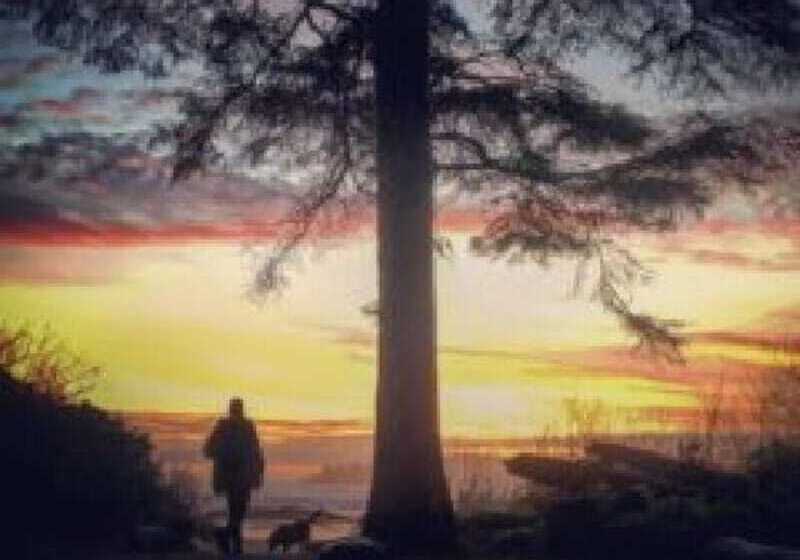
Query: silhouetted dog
[296,533]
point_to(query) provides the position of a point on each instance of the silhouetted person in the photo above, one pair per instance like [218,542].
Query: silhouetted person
[238,468]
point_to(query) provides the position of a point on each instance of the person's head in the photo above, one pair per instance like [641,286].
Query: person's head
[236,407]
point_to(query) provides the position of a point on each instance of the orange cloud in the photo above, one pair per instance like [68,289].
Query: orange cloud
[697,371]
[775,341]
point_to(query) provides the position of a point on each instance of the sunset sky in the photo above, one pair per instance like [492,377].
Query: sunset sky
[150,280]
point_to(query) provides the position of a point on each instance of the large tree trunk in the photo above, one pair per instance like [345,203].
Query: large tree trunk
[409,501]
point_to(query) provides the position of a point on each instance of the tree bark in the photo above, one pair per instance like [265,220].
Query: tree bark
[409,501]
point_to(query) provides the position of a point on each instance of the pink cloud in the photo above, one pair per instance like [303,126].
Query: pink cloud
[789,262]
[152,98]
[23,266]
[785,316]
[620,361]
[76,107]
[16,72]
[693,243]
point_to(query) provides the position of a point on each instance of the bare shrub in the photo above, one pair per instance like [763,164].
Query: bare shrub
[39,358]
[778,404]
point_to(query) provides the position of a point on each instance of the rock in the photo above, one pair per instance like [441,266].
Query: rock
[518,542]
[355,548]
[630,501]
[573,524]
[492,521]
[734,548]
[158,539]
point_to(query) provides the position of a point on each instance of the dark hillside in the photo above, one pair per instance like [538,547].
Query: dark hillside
[74,473]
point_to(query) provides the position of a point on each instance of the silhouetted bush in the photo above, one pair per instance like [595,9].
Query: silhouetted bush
[667,526]
[775,469]
[75,474]
[618,502]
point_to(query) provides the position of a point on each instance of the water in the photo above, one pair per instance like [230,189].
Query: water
[326,466]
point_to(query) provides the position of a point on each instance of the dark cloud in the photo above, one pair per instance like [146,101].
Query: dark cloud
[82,185]
[24,219]
[9,121]
[19,209]
[16,33]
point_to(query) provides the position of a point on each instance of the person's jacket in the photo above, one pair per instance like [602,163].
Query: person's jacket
[238,460]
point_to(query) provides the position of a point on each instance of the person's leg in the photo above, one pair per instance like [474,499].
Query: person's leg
[223,539]
[237,507]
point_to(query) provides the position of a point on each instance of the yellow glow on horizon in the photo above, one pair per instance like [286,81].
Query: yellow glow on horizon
[175,332]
